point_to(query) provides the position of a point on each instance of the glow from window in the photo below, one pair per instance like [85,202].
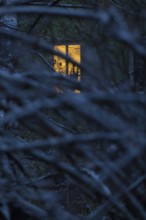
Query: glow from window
[68,68]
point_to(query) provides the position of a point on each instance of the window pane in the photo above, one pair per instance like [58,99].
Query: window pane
[60,63]
[62,66]
[75,53]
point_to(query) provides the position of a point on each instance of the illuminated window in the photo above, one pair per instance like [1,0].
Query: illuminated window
[64,67]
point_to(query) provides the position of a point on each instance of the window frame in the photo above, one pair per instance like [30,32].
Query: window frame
[67,44]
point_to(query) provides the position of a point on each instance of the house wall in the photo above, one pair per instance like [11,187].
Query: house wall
[100,54]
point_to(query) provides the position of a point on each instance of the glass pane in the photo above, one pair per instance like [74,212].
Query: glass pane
[74,51]
[60,63]
[62,66]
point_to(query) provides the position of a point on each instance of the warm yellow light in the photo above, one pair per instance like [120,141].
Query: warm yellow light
[68,68]
[59,62]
